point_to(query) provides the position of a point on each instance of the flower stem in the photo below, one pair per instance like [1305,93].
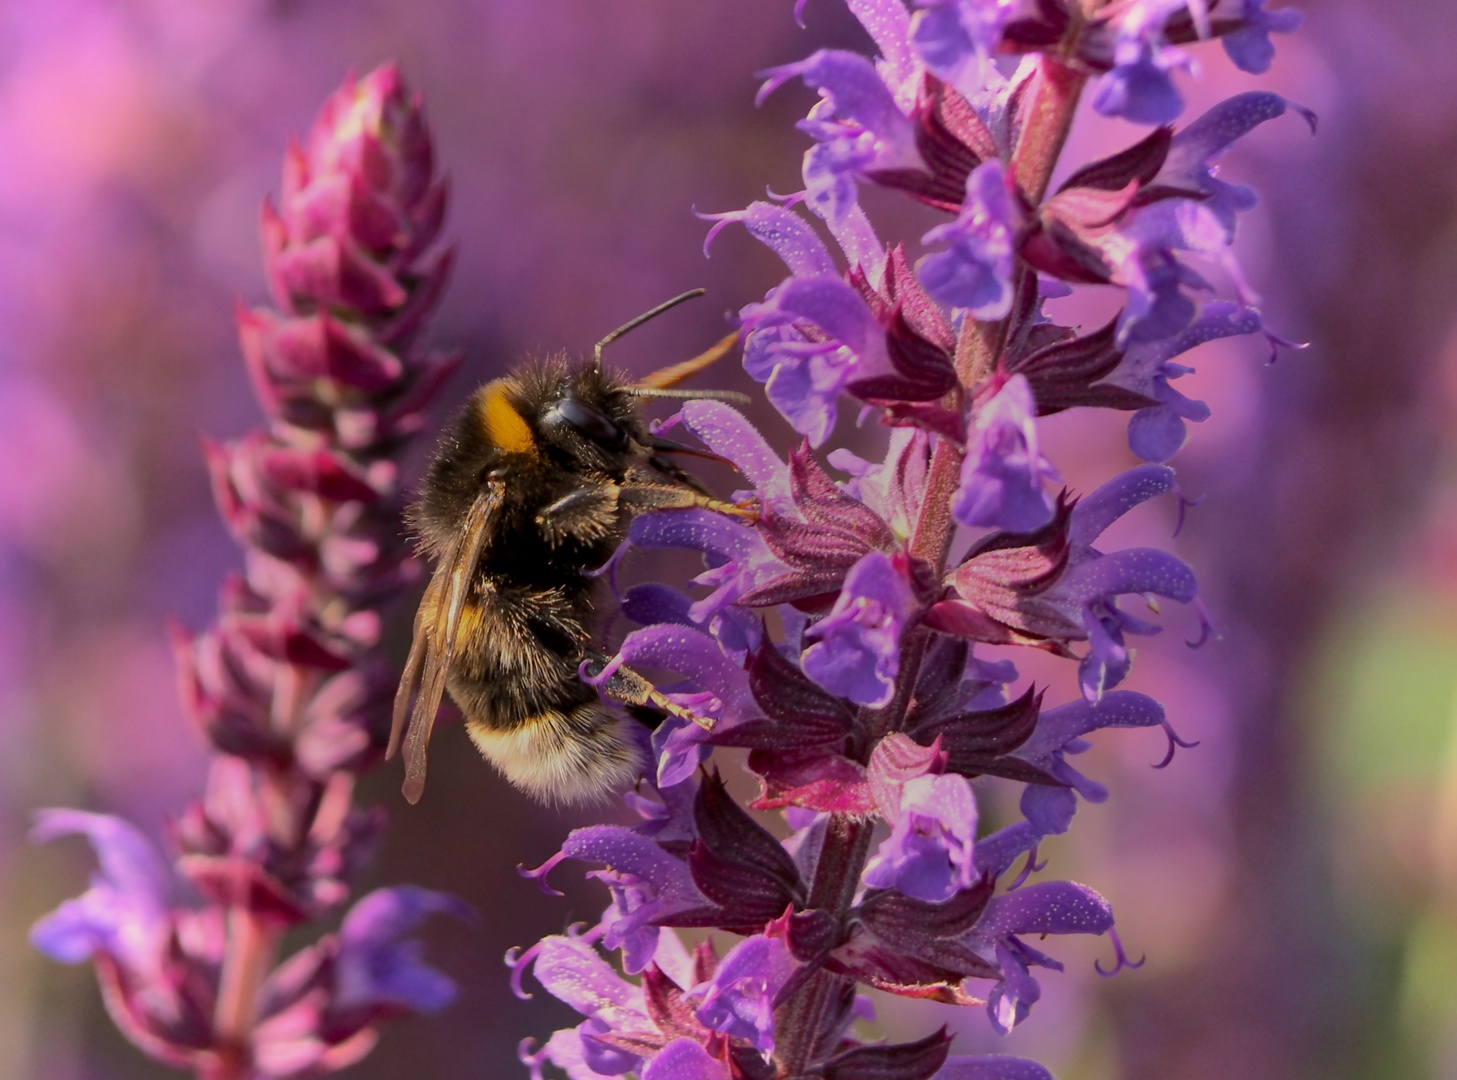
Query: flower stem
[1054,96]
[252,943]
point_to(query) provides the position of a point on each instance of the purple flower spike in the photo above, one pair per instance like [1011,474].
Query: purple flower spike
[975,272]
[857,649]
[739,1000]
[1004,476]
[124,914]
[377,965]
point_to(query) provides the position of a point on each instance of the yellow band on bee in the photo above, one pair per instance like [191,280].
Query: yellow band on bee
[504,425]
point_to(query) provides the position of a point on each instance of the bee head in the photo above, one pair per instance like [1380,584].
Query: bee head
[589,415]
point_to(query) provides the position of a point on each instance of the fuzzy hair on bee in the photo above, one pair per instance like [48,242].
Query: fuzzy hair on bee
[531,487]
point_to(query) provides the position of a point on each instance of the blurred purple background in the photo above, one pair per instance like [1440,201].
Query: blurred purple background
[1293,880]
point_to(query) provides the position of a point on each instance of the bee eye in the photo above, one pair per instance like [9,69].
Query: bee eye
[591,423]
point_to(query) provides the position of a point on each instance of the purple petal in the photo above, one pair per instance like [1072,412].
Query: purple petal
[739,999]
[684,1059]
[1115,498]
[376,964]
[1140,88]
[996,853]
[1157,433]
[1004,475]
[929,853]
[1250,46]
[836,308]
[857,239]
[729,434]
[975,272]
[695,654]
[124,912]
[573,971]
[601,1058]
[954,37]
[627,852]
[888,24]
[855,90]
[859,125]
[806,390]
[1051,907]
[1204,141]
[1011,1000]
[1133,570]
[991,1067]
[857,652]
[781,230]
[1144,361]
[1050,809]
[1060,726]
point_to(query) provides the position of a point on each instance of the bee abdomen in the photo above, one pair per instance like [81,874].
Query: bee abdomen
[577,753]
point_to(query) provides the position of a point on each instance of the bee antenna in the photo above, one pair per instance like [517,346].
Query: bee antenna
[633,324]
[733,397]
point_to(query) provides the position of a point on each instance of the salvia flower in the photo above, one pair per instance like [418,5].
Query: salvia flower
[975,272]
[1004,476]
[832,638]
[288,686]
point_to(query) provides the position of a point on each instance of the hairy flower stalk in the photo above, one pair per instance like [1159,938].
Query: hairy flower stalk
[288,685]
[872,714]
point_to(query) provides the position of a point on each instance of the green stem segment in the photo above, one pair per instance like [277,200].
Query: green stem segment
[1048,116]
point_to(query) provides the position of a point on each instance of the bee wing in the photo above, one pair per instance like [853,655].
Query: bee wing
[676,373]
[433,649]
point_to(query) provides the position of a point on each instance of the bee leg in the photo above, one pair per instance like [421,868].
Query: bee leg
[646,496]
[587,513]
[630,688]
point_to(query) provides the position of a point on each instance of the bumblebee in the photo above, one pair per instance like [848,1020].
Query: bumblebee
[530,488]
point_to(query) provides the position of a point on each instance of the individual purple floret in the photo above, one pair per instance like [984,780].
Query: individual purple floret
[288,685]
[932,817]
[1004,476]
[125,914]
[955,38]
[1141,87]
[739,999]
[856,650]
[975,272]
